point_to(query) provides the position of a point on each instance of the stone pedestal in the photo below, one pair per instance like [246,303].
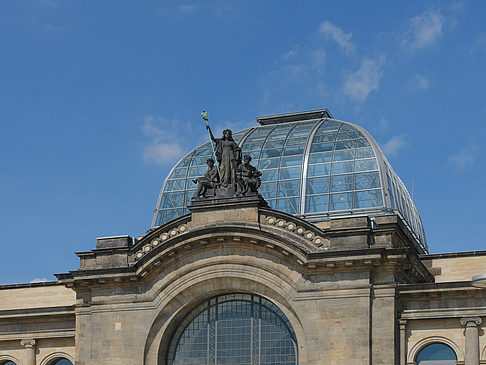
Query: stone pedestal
[472,340]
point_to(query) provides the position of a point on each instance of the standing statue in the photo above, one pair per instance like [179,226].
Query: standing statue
[208,182]
[248,178]
[228,156]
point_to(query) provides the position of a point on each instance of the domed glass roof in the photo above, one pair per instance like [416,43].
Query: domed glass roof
[314,169]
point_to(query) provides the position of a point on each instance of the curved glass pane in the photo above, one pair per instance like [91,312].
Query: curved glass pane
[436,353]
[234,329]
[8,363]
[61,362]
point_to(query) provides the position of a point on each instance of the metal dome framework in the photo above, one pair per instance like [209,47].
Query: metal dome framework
[312,168]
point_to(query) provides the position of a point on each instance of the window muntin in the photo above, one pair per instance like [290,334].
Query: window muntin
[236,329]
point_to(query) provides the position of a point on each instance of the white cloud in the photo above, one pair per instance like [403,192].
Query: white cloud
[331,31]
[38,280]
[464,158]
[394,144]
[163,147]
[361,83]
[424,30]
[419,82]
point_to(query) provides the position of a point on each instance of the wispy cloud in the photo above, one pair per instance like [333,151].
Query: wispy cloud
[424,30]
[163,147]
[38,280]
[420,82]
[358,85]
[464,158]
[394,144]
[337,34]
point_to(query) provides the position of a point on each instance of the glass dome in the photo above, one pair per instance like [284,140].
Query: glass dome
[312,168]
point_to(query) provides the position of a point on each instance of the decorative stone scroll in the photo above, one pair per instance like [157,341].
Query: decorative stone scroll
[321,242]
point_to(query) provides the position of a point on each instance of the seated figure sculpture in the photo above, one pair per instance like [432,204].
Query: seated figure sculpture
[208,182]
[248,178]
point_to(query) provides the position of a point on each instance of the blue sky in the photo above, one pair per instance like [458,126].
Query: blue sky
[99,99]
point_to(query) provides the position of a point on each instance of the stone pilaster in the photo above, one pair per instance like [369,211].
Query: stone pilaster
[403,342]
[472,340]
[29,345]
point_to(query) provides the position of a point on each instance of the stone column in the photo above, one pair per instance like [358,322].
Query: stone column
[472,340]
[403,341]
[29,351]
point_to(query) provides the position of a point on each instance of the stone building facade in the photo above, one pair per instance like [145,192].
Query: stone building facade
[235,281]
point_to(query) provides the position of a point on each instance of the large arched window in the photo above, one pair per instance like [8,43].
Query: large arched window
[234,329]
[436,354]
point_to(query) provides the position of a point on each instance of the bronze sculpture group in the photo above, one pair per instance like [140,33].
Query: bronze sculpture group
[230,176]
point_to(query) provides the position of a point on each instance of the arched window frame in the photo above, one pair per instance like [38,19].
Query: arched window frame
[51,358]
[419,346]
[184,323]
[5,358]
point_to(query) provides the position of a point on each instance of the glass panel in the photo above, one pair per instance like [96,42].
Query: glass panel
[343,155]
[341,201]
[365,152]
[269,190]
[199,161]
[343,134]
[268,163]
[272,203]
[365,165]
[317,203]
[289,205]
[362,142]
[367,180]
[255,155]
[197,171]
[328,137]
[62,362]
[321,157]
[289,188]
[185,162]
[291,160]
[295,141]
[270,153]
[318,170]
[322,147]
[274,144]
[166,215]
[290,173]
[318,185]
[293,150]
[175,185]
[342,183]
[251,146]
[8,363]
[172,200]
[203,151]
[436,351]
[177,173]
[368,199]
[269,175]
[342,145]
[342,167]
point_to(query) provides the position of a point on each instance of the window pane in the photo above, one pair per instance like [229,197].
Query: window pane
[62,362]
[365,152]
[322,147]
[362,142]
[177,173]
[342,167]
[342,183]
[175,185]
[317,203]
[342,145]
[269,190]
[289,205]
[197,171]
[290,173]
[274,144]
[341,201]
[172,200]
[288,188]
[166,215]
[293,150]
[318,185]
[268,163]
[321,157]
[436,351]
[368,199]
[270,153]
[327,137]
[269,175]
[365,165]
[318,170]
[367,180]
[291,161]
[343,155]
